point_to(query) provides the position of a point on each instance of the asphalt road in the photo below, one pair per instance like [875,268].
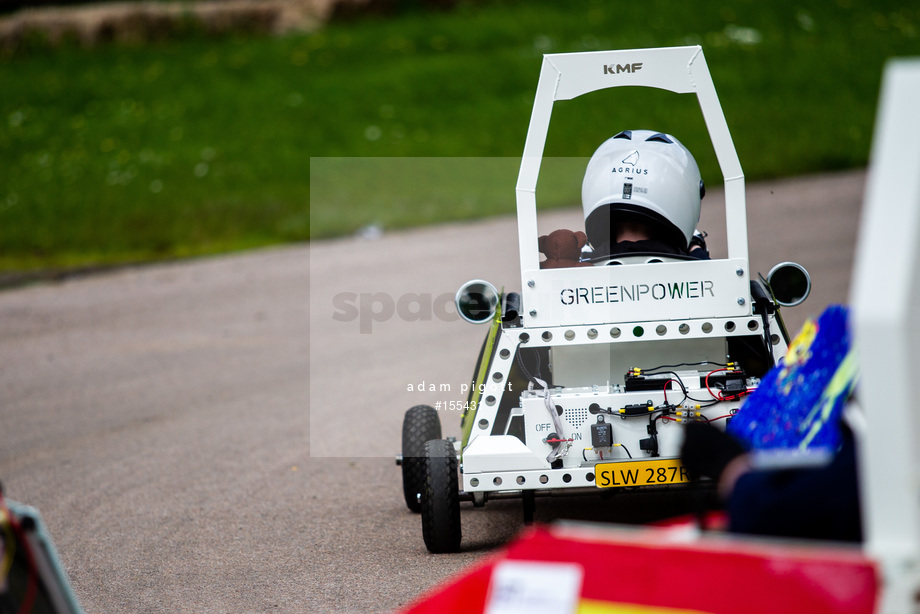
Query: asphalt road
[218,435]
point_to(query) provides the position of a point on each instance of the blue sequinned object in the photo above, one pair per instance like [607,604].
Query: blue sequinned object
[799,403]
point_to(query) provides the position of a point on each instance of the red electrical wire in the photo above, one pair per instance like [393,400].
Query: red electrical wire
[735,397]
[717,397]
[720,396]
[666,384]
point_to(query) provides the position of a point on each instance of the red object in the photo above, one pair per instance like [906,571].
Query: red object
[666,568]
[712,521]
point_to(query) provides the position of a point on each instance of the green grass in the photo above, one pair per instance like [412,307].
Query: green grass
[194,146]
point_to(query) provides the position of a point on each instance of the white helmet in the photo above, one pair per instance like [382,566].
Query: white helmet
[645,176]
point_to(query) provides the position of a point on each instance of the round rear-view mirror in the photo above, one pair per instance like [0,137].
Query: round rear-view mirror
[790,283]
[477,301]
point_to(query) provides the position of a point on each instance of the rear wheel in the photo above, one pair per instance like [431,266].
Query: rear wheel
[420,424]
[441,498]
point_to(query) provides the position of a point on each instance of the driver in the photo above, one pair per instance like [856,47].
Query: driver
[641,194]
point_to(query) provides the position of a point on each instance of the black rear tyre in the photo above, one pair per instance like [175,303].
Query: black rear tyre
[441,498]
[420,424]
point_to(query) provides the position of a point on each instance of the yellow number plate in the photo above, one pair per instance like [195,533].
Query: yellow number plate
[640,473]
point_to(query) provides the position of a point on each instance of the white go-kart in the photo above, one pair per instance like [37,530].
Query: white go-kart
[588,375]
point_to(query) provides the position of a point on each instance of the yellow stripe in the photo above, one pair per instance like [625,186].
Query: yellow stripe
[841,383]
[468,420]
[590,606]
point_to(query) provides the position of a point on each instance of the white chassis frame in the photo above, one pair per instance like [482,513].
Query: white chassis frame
[681,70]
[884,296]
[501,462]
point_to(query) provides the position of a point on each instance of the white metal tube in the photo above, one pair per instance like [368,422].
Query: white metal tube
[885,295]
